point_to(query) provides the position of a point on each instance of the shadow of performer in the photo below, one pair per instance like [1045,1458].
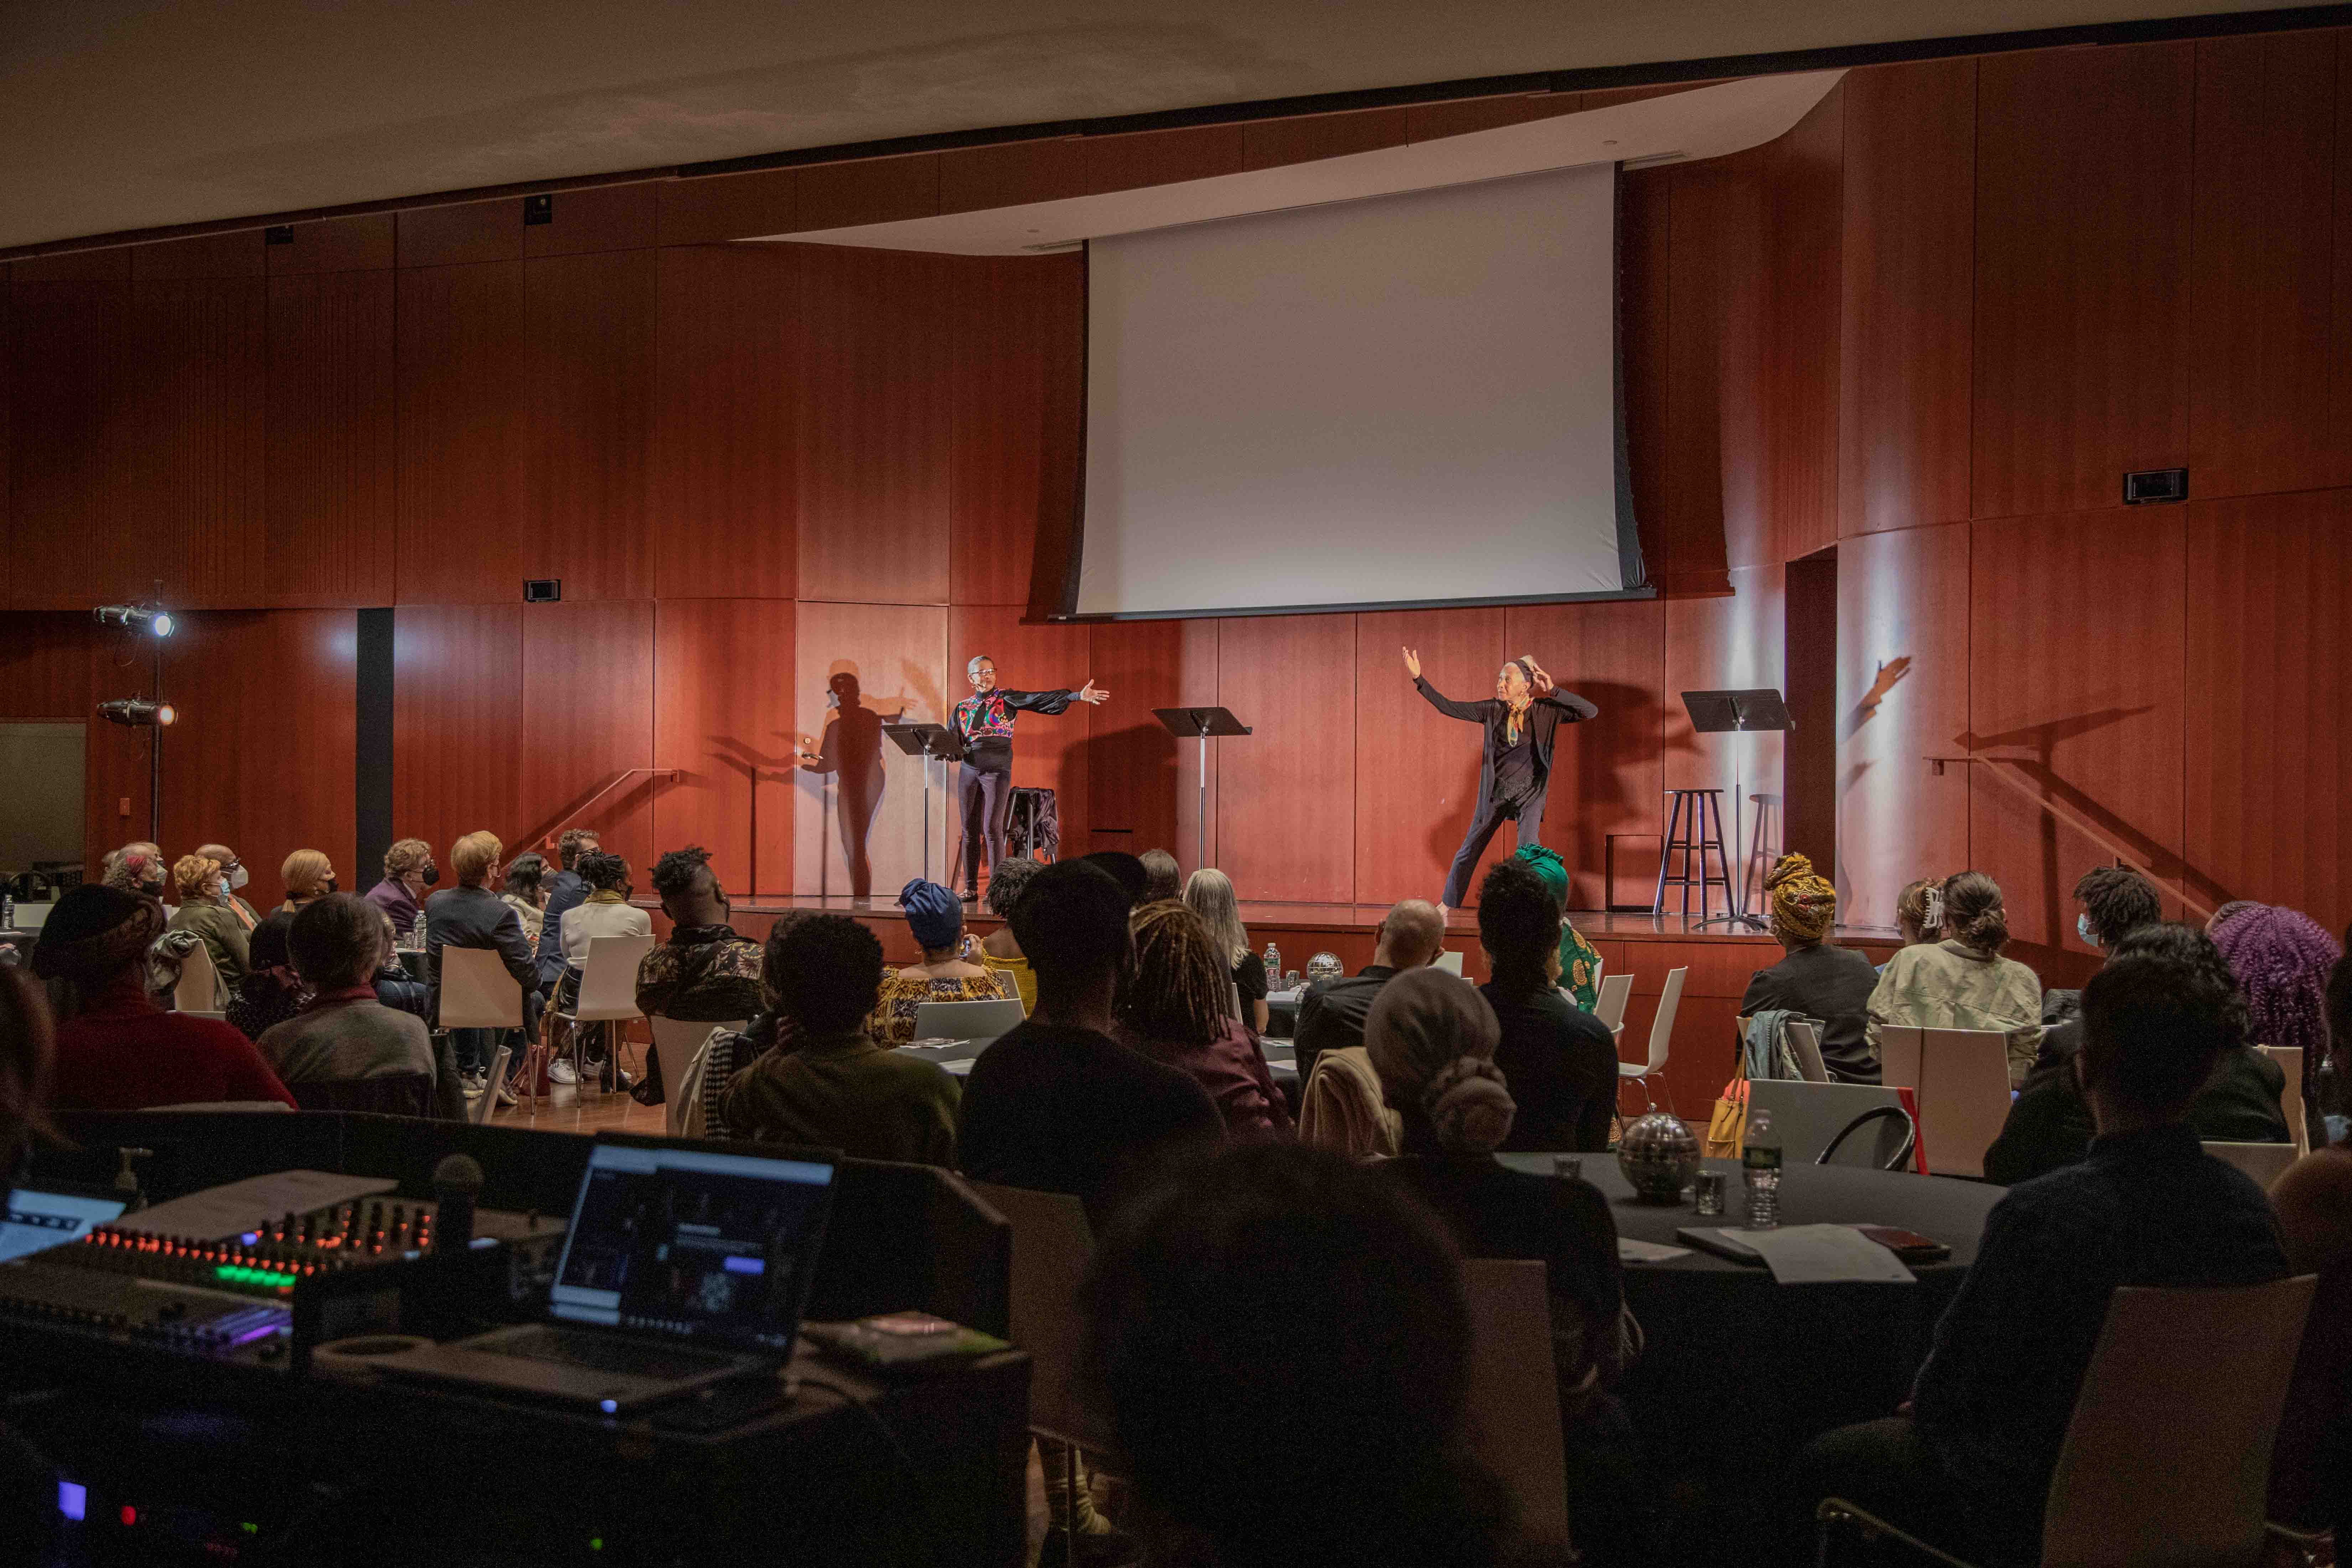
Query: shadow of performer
[852,752]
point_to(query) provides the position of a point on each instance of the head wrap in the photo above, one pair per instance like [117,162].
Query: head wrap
[932,913]
[94,932]
[1431,1039]
[1804,906]
[1548,865]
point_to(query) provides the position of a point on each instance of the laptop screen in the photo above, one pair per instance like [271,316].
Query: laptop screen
[689,1244]
[34,1222]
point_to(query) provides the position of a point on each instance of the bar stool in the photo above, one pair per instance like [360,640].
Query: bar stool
[1694,827]
[1763,847]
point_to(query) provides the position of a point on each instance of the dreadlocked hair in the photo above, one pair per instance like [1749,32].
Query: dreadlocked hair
[1181,991]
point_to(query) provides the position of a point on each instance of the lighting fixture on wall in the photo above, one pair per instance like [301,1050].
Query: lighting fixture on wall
[138,713]
[153,619]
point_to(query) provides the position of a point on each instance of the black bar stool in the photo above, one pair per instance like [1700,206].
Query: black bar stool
[1694,827]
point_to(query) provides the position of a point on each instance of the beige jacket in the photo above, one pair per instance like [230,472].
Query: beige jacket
[1342,1108]
[1951,986]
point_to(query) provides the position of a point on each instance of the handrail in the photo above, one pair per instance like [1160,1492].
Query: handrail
[2195,905]
[617,781]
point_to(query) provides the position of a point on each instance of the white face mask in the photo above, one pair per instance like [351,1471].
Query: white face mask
[237,879]
[2083,928]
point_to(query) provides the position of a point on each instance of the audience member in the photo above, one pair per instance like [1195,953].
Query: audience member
[471,916]
[1962,982]
[1163,879]
[1969,1468]
[270,992]
[28,1052]
[2049,1123]
[726,1052]
[1279,1339]
[1919,910]
[394,986]
[308,876]
[1560,1060]
[1580,961]
[203,914]
[137,867]
[936,918]
[605,911]
[1210,894]
[1331,1014]
[408,871]
[525,892]
[839,1088]
[343,1032]
[116,1049]
[565,892]
[1816,978]
[1001,949]
[2111,902]
[1058,1105]
[704,974]
[2284,960]
[2226,914]
[234,877]
[1177,1009]
[1124,869]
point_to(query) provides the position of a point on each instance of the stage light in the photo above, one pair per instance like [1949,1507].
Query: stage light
[153,619]
[138,713]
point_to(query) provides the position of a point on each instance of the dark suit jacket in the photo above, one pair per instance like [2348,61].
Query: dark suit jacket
[1332,1016]
[2049,1124]
[569,891]
[1832,983]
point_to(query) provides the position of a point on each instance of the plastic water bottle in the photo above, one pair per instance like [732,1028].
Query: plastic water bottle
[1272,966]
[1760,1164]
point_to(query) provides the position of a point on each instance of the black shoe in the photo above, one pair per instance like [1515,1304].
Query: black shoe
[971,895]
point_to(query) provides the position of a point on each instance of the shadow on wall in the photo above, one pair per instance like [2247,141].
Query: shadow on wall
[850,756]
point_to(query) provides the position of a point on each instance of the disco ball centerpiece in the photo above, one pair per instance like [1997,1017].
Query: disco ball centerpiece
[1659,1156]
[1324,966]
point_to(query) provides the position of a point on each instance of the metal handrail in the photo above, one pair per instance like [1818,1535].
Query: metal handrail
[2195,905]
[618,780]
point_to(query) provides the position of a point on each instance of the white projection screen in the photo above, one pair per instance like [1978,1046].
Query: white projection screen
[1405,400]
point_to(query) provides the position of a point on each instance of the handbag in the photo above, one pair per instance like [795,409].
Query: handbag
[1726,1129]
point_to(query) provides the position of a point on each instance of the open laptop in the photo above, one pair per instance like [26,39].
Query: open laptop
[684,1267]
[966,1020]
[33,1221]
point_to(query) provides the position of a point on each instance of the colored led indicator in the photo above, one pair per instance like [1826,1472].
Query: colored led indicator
[596,1544]
[73,1501]
[608,1405]
[129,1514]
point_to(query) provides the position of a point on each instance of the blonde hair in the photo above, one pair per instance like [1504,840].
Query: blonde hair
[473,856]
[406,854]
[191,872]
[1210,895]
[304,872]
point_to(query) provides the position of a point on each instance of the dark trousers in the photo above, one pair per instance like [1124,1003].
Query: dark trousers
[1525,817]
[984,791]
[1885,1467]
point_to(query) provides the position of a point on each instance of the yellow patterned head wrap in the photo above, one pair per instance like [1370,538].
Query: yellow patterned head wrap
[1804,906]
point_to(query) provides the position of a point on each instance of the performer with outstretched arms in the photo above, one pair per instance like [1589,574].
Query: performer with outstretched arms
[983,726]
[1514,770]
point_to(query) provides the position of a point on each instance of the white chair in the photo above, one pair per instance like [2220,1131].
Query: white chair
[477,992]
[486,1102]
[1610,1005]
[198,991]
[684,1049]
[1512,1401]
[2265,1163]
[1898,1056]
[608,989]
[1805,1041]
[1662,1038]
[966,1020]
[1964,1098]
[2290,1061]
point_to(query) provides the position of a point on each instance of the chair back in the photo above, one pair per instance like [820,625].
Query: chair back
[2290,1061]
[1805,1044]
[477,992]
[1964,1098]
[1806,1116]
[1051,1245]
[1898,1055]
[2265,1163]
[685,1049]
[966,1020]
[1514,1414]
[608,982]
[387,1094]
[1610,1005]
[199,987]
[2168,1457]
[1662,1028]
[1341,1107]
[488,1100]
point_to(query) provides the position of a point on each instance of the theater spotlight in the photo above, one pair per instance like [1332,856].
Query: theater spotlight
[137,712]
[153,619]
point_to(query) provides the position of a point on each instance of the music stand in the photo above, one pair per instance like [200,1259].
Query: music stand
[1201,723]
[932,742]
[1736,712]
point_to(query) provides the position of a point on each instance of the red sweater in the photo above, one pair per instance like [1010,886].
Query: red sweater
[124,1053]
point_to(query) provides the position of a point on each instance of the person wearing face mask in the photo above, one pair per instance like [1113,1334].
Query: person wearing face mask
[234,878]
[138,867]
[704,974]
[982,727]
[308,875]
[201,911]
[408,871]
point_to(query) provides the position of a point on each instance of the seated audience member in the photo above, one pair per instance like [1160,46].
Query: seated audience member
[1058,1105]
[565,892]
[137,867]
[525,892]
[1210,894]
[2049,1123]
[1962,982]
[704,974]
[308,876]
[1431,1039]
[471,916]
[1560,1060]
[394,986]
[1176,1008]
[116,1049]
[234,877]
[936,918]
[343,1032]
[1331,1014]
[2111,902]
[1816,978]
[408,872]
[1969,1468]
[1000,951]
[2284,959]
[1124,869]
[201,911]
[838,1088]
[1252,1443]
[1163,879]
[604,911]
[1579,960]
[2311,1467]
[270,992]
[726,1052]
[2227,913]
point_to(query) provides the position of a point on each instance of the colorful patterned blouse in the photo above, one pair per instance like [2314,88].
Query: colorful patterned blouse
[989,716]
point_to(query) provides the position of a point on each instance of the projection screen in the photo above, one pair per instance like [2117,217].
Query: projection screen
[1399,401]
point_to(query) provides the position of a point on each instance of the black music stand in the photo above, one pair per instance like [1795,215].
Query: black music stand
[932,742]
[1736,712]
[1201,723]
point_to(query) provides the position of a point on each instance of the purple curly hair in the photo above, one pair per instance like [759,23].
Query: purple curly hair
[2282,960]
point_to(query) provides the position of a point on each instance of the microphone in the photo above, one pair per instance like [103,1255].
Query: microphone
[456,1181]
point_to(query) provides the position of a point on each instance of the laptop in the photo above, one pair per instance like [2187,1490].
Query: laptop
[33,1221]
[1449,961]
[943,1021]
[684,1267]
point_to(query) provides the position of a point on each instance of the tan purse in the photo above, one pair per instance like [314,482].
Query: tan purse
[1726,1129]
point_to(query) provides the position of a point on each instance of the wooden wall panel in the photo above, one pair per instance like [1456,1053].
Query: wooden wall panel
[1269,143]
[2085,688]
[1712,643]
[1801,360]
[1715,511]
[1047,752]
[1285,792]
[1645,201]
[2268,753]
[70,495]
[1143,784]
[869,190]
[1012,174]
[727,206]
[2084,173]
[873,416]
[897,656]
[2259,356]
[332,459]
[192,409]
[1431,122]
[235,254]
[1125,161]
[7,399]
[365,243]
[456,723]
[1906,281]
[461,433]
[587,718]
[2340,334]
[461,232]
[1004,332]
[1416,769]
[601,217]
[723,718]
[588,346]
[722,462]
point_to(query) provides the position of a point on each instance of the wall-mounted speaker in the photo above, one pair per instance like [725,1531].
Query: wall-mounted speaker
[542,590]
[2156,485]
[538,210]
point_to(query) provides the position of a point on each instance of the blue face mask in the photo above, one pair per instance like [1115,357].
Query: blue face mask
[2083,928]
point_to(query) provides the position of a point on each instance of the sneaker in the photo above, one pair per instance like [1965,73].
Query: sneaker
[619,1079]
[971,895]
[560,1071]
[507,1093]
[472,1085]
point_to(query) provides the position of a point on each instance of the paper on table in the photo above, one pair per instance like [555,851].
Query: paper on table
[1631,1249]
[240,1207]
[1813,1254]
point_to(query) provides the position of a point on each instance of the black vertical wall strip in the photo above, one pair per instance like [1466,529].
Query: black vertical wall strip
[373,798]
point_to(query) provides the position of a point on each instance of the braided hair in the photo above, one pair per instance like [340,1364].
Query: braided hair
[1180,993]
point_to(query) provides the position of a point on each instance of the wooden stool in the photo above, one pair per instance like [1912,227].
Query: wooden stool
[1763,848]
[1694,827]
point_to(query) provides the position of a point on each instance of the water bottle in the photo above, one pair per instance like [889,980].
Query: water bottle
[1272,966]
[1760,1164]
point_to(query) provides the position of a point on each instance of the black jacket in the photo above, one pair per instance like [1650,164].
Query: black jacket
[1559,1062]
[1546,714]
[1833,984]
[476,917]
[1331,1019]
[2049,1124]
[569,891]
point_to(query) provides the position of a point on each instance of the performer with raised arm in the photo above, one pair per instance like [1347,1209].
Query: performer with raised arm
[983,726]
[1514,770]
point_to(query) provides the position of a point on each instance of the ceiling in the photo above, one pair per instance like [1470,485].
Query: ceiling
[128,114]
